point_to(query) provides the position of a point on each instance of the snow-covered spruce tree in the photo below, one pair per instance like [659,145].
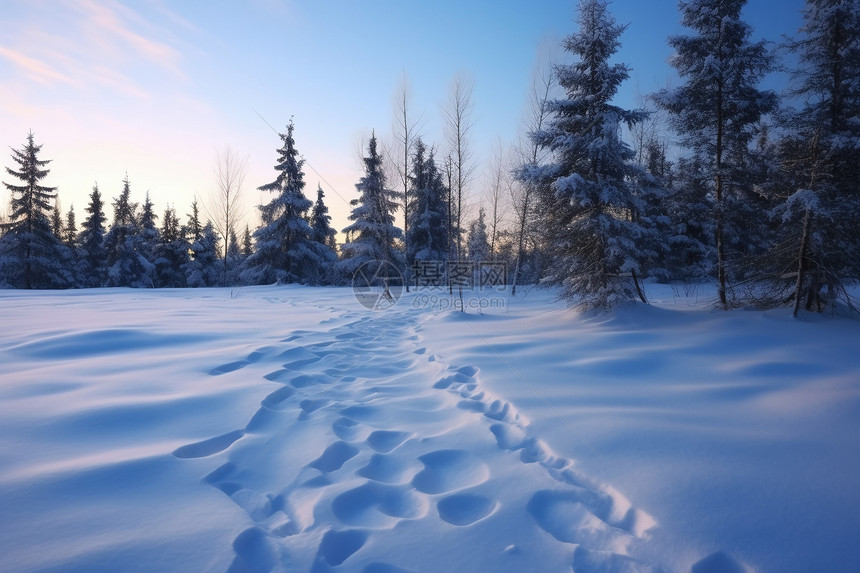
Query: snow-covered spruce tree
[30,253]
[203,270]
[324,237]
[815,251]
[690,255]
[66,256]
[285,252]
[372,237]
[234,259]
[428,217]
[478,245]
[70,234]
[170,253]
[716,112]
[77,267]
[320,222]
[91,240]
[194,229]
[58,227]
[126,265]
[247,243]
[148,231]
[587,191]
[655,192]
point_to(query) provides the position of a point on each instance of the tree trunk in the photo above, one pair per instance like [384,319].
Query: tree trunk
[638,288]
[801,263]
[718,190]
[520,240]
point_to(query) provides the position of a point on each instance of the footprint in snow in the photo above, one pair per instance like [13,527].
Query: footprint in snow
[334,456]
[390,469]
[337,546]
[328,520]
[208,447]
[276,399]
[449,470]
[349,430]
[376,505]
[384,441]
[465,508]
[253,357]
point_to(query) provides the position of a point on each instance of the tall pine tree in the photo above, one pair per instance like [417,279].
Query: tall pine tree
[92,237]
[285,252]
[428,216]
[70,236]
[372,237]
[30,253]
[202,270]
[126,264]
[320,222]
[234,258]
[324,239]
[170,252]
[587,191]
[148,233]
[247,242]
[478,248]
[194,229]
[717,112]
[478,245]
[58,227]
[819,155]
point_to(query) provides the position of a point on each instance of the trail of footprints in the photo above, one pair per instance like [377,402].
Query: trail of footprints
[361,392]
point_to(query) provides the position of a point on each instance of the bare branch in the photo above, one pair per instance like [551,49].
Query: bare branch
[405,135]
[224,207]
[459,122]
[500,184]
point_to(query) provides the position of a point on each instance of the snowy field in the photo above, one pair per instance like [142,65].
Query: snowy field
[290,429]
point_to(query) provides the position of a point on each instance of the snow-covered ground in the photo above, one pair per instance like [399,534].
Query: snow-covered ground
[291,429]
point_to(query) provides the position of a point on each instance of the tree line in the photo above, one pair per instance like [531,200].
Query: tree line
[753,190]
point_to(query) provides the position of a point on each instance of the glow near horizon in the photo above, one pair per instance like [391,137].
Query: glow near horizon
[153,89]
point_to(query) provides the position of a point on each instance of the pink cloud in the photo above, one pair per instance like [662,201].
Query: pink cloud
[113,20]
[36,70]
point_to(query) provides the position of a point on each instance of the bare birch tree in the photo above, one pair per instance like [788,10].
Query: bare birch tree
[500,185]
[523,192]
[406,133]
[224,208]
[458,125]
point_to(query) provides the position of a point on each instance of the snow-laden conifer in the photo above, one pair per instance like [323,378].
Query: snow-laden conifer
[717,111]
[91,240]
[203,270]
[588,196]
[284,248]
[126,263]
[170,252]
[30,253]
[372,237]
[325,243]
[428,216]
[814,253]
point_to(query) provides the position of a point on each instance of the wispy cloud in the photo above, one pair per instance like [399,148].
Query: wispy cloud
[100,48]
[114,23]
[35,69]
[112,79]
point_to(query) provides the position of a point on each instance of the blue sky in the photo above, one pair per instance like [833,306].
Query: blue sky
[154,88]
